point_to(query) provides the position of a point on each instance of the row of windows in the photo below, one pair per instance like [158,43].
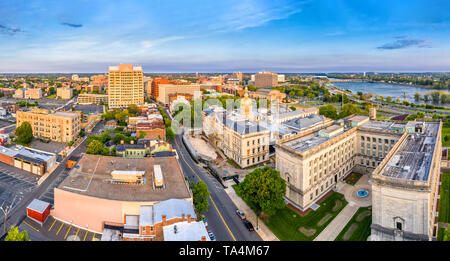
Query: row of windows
[380,140]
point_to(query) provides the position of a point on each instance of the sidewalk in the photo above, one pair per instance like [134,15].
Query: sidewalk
[335,227]
[263,231]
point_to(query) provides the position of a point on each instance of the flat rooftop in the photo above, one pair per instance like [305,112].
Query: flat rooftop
[383,125]
[92,177]
[305,143]
[412,160]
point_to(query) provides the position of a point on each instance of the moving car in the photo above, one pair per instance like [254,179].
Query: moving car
[248,225]
[240,214]
[211,236]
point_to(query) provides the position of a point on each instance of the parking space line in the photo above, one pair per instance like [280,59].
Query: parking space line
[70,227]
[52,225]
[76,233]
[93,236]
[62,224]
[84,239]
[31,226]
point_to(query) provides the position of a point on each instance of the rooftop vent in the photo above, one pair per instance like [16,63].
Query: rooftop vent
[159,180]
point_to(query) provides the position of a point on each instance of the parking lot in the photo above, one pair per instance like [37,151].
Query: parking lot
[56,230]
[14,185]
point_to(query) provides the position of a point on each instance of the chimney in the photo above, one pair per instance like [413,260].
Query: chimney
[164,219]
[203,238]
[122,142]
[189,218]
[182,216]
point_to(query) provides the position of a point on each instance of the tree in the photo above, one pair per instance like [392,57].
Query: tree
[348,109]
[95,147]
[264,189]
[52,90]
[15,235]
[24,133]
[133,109]
[118,137]
[389,99]
[417,96]
[329,111]
[169,133]
[200,195]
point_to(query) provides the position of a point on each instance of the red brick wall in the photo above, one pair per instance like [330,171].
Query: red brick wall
[6,159]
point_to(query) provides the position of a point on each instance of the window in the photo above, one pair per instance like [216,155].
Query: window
[399,225]
[362,137]
[374,139]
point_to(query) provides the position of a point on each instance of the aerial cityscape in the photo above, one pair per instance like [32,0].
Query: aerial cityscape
[231,121]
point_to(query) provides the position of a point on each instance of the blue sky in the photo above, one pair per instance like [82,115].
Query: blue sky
[223,36]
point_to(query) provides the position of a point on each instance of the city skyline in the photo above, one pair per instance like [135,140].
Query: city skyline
[249,36]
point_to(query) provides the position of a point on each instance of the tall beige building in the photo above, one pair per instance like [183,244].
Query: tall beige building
[126,85]
[266,80]
[33,93]
[58,126]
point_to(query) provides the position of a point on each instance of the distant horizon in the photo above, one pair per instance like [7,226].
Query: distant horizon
[254,72]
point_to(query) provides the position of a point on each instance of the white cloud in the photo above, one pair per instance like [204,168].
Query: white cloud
[151,43]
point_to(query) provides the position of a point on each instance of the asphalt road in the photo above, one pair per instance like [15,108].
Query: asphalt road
[221,215]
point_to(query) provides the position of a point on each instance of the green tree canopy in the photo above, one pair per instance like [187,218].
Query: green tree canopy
[200,195]
[24,133]
[329,111]
[15,235]
[349,109]
[133,109]
[95,147]
[265,189]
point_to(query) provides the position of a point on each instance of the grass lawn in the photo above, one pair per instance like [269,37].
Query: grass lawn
[362,231]
[444,203]
[353,178]
[51,96]
[286,223]
[445,132]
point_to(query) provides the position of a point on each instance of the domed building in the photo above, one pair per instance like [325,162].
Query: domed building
[246,106]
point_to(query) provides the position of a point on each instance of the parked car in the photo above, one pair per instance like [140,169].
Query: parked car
[240,214]
[248,225]
[211,236]
[205,222]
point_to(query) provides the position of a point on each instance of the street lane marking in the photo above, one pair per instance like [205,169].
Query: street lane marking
[31,226]
[76,234]
[62,224]
[52,225]
[84,239]
[223,220]
[70,227]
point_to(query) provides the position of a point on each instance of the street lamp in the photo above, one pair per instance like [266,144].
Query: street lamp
[5,212]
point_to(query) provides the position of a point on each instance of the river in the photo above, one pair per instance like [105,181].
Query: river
[386,89]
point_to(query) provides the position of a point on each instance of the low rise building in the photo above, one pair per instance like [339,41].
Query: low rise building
[64,93]
[56,126]
[98,195]
[35,161]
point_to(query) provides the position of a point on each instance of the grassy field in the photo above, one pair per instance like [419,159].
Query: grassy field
[353,178]
[445,132]
[286,223]
[444,203]
[362,230]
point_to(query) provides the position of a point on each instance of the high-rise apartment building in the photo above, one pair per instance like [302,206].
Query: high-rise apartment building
[126,85]
[266,80]
[58,126]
